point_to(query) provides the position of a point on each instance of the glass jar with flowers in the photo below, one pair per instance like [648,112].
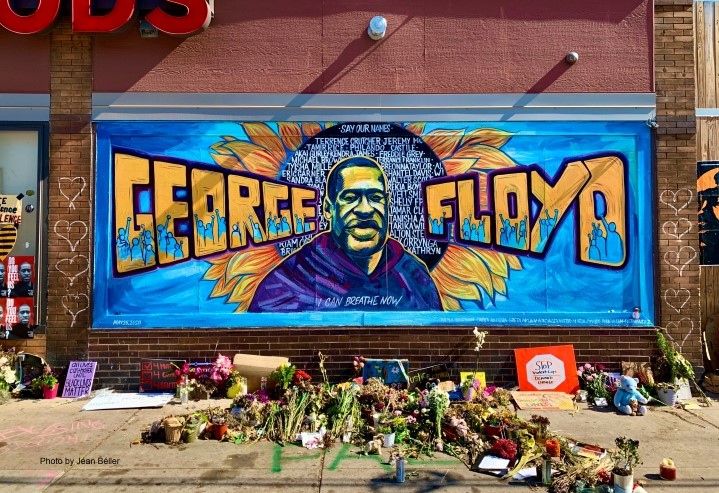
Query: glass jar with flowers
[46,383]
[470,387]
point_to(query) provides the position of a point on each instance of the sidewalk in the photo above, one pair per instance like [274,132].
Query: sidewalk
[41,442]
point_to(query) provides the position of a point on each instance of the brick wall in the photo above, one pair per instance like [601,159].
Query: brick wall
[70,190]
[678,241]
[118,351]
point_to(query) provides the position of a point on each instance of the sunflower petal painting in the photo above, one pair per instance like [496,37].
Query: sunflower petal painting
[218,224]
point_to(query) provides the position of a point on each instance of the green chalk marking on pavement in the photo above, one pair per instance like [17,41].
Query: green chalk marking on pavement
[277,458]
[345,453]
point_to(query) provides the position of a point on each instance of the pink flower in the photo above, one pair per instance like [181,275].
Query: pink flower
[590,378]
[600,367]
[587,366]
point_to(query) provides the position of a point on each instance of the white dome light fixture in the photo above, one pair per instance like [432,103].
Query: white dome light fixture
[377,27]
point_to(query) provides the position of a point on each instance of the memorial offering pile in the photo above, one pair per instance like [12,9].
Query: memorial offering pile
[291,408]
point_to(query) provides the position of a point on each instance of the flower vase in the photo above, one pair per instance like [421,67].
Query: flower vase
[50,393]
[469,394]
[388,440]
[492,430]
[189,434]
[623,484]
[667,396]
[219,431]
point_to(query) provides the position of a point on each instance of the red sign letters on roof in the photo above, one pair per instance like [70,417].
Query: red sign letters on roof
[196,18]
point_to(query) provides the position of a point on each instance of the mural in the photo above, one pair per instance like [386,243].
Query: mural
[317,223]
[708,190]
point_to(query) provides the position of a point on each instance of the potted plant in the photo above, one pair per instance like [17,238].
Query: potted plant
[625,457]
[667,392]
[47,383]
[388,434]
[493,426]
[219,427]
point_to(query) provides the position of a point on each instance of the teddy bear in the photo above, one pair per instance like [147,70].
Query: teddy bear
[626,392]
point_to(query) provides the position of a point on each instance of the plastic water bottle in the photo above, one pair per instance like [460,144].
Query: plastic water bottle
[400,470]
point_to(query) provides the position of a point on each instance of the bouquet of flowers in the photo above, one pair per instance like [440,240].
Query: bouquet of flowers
[595,381]
[8,377]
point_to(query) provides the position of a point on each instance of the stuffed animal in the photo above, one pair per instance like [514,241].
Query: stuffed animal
[626,392]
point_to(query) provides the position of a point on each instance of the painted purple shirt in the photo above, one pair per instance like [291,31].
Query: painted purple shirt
[320,276]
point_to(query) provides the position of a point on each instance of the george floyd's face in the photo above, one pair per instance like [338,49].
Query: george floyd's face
[25,272]
[24,314]
[358,216]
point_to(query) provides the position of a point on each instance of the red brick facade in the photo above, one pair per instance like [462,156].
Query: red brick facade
[677,266]
[118,352]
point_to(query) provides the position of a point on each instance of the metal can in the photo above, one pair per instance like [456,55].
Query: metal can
[400,470]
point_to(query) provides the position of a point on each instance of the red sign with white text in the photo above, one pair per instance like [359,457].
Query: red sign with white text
[549,369]
[195,20]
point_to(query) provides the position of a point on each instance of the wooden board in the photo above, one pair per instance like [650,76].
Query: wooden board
[543,400]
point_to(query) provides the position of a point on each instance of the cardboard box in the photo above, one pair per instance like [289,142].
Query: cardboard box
[392,372]
[254,367]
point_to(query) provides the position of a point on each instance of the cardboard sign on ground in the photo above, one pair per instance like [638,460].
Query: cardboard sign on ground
[80,375]
[253,367]
[127,401]
[545,369]
[543,400]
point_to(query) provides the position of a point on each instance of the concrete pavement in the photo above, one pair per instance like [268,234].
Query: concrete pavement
[42,442]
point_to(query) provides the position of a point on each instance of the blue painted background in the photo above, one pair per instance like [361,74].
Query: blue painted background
[553,291]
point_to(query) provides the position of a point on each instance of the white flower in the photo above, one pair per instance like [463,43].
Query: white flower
[9,375]
[3,361]
[479,336]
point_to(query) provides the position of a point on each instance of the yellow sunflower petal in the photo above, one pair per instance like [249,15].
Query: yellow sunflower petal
[499,284]
[496,261]
[244,292]
[457,259]
[490,158]
[257,261]
[416,128]
[310,129]
[443,142]
[514,262]
[222,289]
[256,159]
[487,136]
[228,162]
[458,166]
[215,272]
[459,287]
[291,135]
[262,135]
